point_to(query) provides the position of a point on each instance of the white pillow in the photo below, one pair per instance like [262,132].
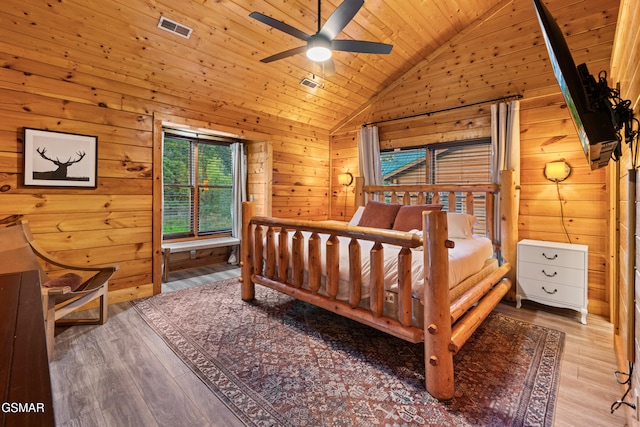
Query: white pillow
[355,220]
[460,225]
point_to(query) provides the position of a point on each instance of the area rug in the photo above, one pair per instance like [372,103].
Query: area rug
[281,362]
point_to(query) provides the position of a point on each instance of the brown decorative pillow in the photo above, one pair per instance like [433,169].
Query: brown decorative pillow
[70,279]
[378,215]
[410,217]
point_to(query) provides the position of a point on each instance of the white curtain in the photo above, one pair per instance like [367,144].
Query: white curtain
[238,194]
[369,155]
[505,145]
[505,139]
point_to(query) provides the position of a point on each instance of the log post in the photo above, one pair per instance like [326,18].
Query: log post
[315,269]
[376,279]
[283,255]
[258,245]
[333,266]
[404,286]
[437,316]
[247,290]
[355,273]
[271,253]
[297,274]
[509,226]
[491,219]
[470,203]
[359,196]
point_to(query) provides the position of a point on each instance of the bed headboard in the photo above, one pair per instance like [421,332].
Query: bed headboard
[474,199]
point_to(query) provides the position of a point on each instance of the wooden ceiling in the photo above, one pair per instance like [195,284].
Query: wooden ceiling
[220,62]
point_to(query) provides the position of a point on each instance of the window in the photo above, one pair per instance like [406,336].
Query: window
[464,162]
[404,166]
[197,185]
[468,163]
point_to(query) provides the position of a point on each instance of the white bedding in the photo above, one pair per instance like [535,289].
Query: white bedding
[465,259]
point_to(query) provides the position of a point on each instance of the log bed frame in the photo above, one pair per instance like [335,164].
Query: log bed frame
[448,324]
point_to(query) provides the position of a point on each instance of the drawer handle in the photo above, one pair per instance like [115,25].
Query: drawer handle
[549,275]
[550,257]
[550,293]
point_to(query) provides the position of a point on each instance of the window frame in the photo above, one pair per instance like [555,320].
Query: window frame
[429,155]
[429,175]
[195,141]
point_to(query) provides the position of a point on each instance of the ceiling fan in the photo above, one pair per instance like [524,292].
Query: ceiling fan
[320,44]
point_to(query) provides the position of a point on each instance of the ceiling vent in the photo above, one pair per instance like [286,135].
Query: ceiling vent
[174,27]
[309,83]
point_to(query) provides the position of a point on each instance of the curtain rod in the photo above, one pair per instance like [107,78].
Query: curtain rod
[428,113]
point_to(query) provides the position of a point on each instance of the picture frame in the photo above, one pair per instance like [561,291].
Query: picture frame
[59,159]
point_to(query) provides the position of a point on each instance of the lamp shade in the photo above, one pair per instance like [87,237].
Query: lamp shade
[557,171]
[345,178]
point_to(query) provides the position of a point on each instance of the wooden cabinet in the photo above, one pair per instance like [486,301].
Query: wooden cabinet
[554,274]
[24,365]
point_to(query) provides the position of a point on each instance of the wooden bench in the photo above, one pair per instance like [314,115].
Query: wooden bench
[193,245]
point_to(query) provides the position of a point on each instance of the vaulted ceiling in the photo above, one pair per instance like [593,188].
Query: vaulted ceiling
[220,62]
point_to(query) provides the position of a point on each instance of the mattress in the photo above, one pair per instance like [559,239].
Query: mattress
[417,307]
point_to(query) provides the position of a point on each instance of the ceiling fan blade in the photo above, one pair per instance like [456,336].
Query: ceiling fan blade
[360,46]
[279,25]
[329,67]
[285,54]
[340,18]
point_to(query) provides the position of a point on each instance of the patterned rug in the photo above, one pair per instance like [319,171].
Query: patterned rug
[281,362]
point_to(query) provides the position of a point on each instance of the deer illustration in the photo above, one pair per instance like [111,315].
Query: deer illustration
[61,172]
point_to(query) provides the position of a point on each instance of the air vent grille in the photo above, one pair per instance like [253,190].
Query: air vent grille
[174,27]
[309,83]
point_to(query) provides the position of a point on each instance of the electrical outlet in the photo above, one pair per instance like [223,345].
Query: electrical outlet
[192,254]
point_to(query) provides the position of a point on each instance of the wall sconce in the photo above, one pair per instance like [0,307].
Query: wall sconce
[557,171]
[345,179]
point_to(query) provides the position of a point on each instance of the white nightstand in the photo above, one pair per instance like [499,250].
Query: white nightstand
[553,274]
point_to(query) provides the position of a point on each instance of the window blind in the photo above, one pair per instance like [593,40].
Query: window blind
[463,162]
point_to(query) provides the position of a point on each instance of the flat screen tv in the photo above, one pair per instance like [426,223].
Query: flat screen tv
[594,126]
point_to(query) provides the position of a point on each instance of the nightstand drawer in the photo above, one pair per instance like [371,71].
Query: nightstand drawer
[551,256]
[553,293]
[551,274]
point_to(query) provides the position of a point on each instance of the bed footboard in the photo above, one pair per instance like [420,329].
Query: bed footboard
[446,326]
[284,266]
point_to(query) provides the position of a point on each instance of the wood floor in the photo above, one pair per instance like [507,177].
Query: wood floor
[122,373]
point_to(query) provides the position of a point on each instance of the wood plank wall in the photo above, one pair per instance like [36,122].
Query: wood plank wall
[505,55]
[625,68]
[114,223]
[583,199]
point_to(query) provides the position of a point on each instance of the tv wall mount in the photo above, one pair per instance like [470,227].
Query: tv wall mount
[607,100]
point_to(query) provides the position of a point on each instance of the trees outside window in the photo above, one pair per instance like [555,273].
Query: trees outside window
[197,186]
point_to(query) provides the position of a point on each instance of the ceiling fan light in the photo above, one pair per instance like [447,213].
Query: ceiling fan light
[318,53]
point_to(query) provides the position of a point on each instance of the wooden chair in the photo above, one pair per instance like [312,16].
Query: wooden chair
[62,295]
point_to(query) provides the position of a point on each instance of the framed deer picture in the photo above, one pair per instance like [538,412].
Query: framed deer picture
[58,159]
